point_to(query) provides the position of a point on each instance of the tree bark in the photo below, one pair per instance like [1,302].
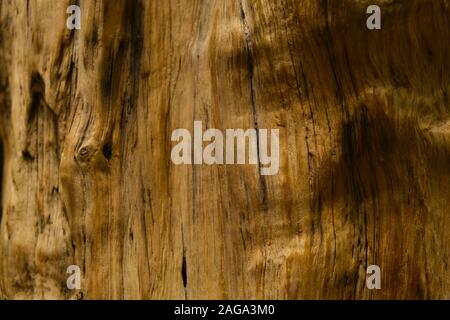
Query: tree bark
[86,118]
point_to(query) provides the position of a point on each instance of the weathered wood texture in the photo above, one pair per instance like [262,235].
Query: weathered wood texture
[85,123]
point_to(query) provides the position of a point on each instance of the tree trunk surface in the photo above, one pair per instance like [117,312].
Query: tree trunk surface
[86,118]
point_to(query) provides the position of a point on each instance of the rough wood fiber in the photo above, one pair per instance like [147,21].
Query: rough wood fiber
[85,124]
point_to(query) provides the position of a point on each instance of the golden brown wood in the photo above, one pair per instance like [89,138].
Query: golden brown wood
[86,118]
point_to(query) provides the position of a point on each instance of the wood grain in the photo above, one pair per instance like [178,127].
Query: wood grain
[86,118]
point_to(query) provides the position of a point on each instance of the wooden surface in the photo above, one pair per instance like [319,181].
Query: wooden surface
[86,118]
